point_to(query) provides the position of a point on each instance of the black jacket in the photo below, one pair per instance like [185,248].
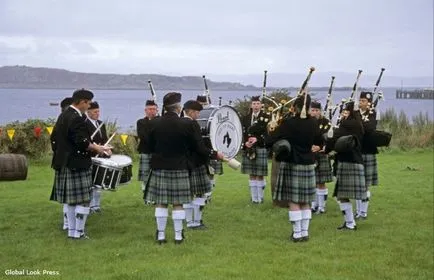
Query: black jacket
[70,140]
[100,137]
[301,135]
[369,121]
[202,157]
[143,126]
[258,129]
[350,126]
[172,139]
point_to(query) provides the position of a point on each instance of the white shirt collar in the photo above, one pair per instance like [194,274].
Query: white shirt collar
[78,111]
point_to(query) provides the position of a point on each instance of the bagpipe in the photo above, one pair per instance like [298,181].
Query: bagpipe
[277,115]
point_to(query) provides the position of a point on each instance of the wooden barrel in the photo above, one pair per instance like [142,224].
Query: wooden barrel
[274,172]
[13,167]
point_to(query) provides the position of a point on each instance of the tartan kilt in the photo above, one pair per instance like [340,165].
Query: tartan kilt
[199,181]
[350,181]
[217,165]
[169,187]
[258,166]
[144,166]
[295,183]
[323,169]
[72,187]
[371,169]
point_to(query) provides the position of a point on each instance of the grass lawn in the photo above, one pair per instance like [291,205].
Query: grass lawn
[243,241]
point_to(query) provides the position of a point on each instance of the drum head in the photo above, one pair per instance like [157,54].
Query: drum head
[121,160]
[226,131]
[105,162]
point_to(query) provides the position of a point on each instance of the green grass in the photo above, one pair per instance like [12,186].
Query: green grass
[243,241]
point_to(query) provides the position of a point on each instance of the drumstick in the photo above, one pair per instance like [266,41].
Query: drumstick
[108,141]
[96,131]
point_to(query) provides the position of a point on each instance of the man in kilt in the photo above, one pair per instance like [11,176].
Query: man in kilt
[171,140]
[151,111]
[296,178]
[72,162]
[100,138]
[369,151]
[216,165]
[350,175]
[255,155]
[323,169]
[64,104]
[199,181]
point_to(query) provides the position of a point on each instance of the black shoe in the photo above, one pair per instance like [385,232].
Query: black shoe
[177,242]
[305,238]
[295,240]
[201,226]
[345,227]
[360,217]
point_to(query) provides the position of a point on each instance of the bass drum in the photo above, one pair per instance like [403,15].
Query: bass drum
[222,127]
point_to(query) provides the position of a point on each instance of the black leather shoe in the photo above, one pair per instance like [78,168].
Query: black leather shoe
[178,242]
[295,240]
[305,238]
[345,227]
[360,217]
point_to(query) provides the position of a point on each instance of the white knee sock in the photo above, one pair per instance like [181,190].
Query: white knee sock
[306,215]
[188,208]
[364,205]
[347,210]
[358,207]
[71,220]
[161,219]
[322,194]
[315,202]
[65,216]
[199,203]
[253,190]
[81,213]
[295,219]
[178,216]
[260,185]
[97,196]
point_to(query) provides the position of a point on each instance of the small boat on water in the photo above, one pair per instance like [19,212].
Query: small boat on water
[54,103]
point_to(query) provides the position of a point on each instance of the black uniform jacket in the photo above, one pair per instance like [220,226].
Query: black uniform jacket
[143,126]
[301,135]
[369,121]
[172,140]
[349,126]
[70,139]
[258,129]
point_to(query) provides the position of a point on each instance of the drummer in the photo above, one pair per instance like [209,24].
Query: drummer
[98,130]
[216,165]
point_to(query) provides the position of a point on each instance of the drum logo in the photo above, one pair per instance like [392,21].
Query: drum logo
[221,118]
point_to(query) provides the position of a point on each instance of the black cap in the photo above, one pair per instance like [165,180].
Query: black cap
[202,98]
[82,94]
[349,106]
[315,105]
[256,98]
[171,98]
[150,103]
[66,102]
[367,95]
[93,105]
[193,105]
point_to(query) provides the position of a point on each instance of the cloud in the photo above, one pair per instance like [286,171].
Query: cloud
[191,36]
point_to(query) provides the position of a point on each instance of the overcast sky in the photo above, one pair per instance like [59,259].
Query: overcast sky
[192,37]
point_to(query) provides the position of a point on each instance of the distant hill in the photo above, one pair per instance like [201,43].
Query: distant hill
[33,77]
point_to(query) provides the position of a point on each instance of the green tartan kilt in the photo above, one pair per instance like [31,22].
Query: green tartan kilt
[371,169]
[72,186]
[350,181]
[258,166]
[199,181]
[295,183]
[323,169]
[217,165]
[169,187]
[144,166]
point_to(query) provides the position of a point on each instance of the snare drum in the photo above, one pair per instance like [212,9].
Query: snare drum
[222,126]
[106,173]
[126,164]
[109,173]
